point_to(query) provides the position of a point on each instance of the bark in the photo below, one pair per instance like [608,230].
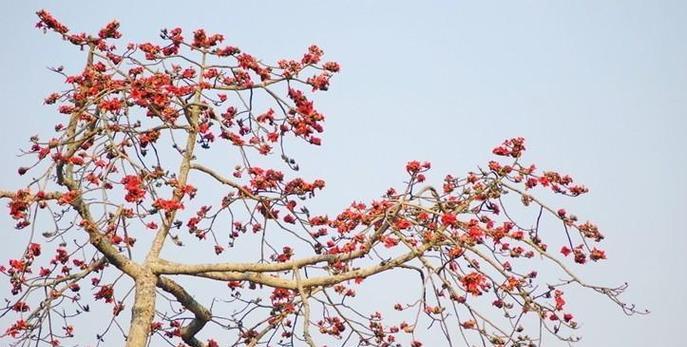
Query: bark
[143,311]
[202,314]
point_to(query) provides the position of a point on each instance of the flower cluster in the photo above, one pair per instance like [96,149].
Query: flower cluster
[167,205]
[134,188]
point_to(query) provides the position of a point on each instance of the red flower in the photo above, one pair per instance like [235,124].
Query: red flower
[168,205]
[319,82]
[315,141]
[105,292]
[287,253]
[76,160]
[34,249]
[68,197]
[332,66]
[565,251]
[19,204]
[110,31]
[390,242]
[567,317]
[201,40]
[455,252]
[20,306]
[448,219]
[17,327]
[402,224]
[47,21]
[513,147]
[413,166]
[134,188]
[580,257]
[518,235]
[474,283]
[470,324]
[476,233]
[234,284]
[313,56]
[112,105]
[190,191]
[597,254]
[558,298]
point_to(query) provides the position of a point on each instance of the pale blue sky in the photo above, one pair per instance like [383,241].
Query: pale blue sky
[599,89]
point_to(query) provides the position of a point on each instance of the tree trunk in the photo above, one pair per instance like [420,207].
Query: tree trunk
[142,312]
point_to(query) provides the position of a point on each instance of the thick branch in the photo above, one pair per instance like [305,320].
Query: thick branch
[169,267]
[46,196]
[278,282]
[162,266]
[184,169]
[202,314]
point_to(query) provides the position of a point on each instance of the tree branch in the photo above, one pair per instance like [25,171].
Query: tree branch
[202,314]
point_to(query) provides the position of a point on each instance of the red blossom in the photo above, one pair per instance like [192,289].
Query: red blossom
[105,292]
[68,197]
[47,21]
[202,40]
[558,298]
[320,81]
[567,317]
[565,251]
[34,249]
[513,147]
[415,166]
[390,241]
[474,283]
[312,56]
[20,306]
[110,31]
[111,105]
[134,188]
[17,327]
[287,253]
[167,205]
[449,219]
[476,233]
[19,204]
[597,254]
[580,256]
[402,224]
[332,66]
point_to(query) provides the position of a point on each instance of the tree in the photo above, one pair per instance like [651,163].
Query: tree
[125,185]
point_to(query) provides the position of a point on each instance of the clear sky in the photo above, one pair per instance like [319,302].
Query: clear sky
[598,88]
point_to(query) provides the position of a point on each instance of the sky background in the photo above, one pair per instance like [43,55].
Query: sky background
[598,89]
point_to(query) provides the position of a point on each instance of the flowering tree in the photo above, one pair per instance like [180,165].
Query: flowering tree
[125,184]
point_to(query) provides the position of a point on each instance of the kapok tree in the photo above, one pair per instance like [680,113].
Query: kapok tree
[128,183]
